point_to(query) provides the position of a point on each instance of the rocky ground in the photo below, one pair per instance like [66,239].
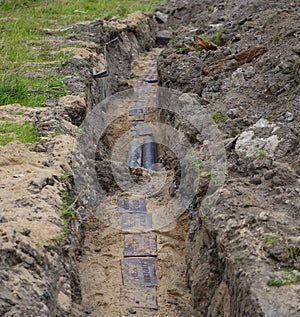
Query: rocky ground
[242,258]
[259,99]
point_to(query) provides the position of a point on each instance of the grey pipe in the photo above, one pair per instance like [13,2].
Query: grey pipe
[134,153]
[149,152]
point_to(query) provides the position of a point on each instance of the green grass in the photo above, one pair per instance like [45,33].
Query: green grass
[287,278]
[272,239]
[262,153]
[24,46]
[67,214]
[11,131]
[198,164]
[216,37]
[219,117]
[16,88]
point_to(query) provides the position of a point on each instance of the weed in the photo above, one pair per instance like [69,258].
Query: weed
[270,18]
[41,244]
[67,211]
[277,39]
[288,277]
[211,9]
[67,214]
[208,175]
[216,37]
[293,252]
[219,117]
[262,153]
[297,63]
[272,239]
[23,132]
[57,132]
[198,164]
[65,175]
[180,120]
[60,236]
[12,90]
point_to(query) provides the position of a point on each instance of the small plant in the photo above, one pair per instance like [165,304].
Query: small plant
[208,175]
[288,277]
[277,39]
[211,9]
[272,239]
[270,18]
[293,252]
[60,236]
[180,120]
[65,175]
[216,37]
[219,117]
[262,153]
[198,164]
[67,211]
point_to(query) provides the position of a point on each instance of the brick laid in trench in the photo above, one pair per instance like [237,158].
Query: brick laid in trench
[140,244]
[127,204]
[136,115]
[136,222]
[142,297]
[138,272]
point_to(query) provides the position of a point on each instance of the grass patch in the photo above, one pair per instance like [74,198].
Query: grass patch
[216,37]
[271,239]
[26,47]
[270,18]
[288,277]
[198,164]
[16,88]
[67,214]
[11,131]
[219,117]
[262,153]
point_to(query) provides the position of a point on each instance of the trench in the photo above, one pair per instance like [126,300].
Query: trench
[143,252]
[133,260]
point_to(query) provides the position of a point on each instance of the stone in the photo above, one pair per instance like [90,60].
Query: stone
[232,113]
[269,174]
[237,77]
[163,37]
[25,232]
[256,180]
[263,216]
[296,49]
[288,116]
[132,311]
[262,139]
[250,72]
[161,17]
[231,224]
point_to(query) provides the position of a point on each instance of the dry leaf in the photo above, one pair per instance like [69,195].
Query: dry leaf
[206,45]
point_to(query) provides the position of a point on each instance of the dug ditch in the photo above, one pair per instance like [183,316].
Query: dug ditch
[136,267]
